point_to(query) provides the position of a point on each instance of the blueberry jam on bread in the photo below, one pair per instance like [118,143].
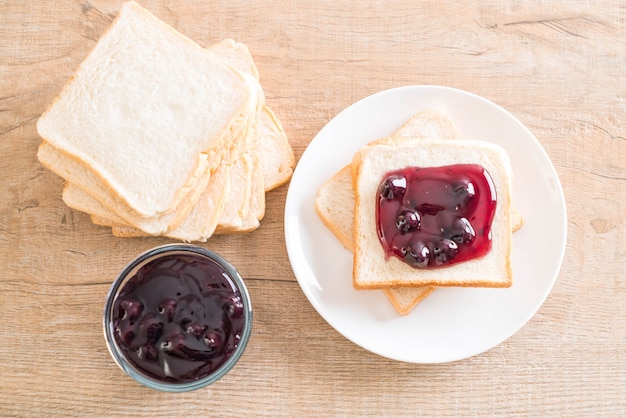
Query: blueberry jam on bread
[374,269]
[432,217]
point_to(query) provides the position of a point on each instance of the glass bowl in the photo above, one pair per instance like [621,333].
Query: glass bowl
[177,318]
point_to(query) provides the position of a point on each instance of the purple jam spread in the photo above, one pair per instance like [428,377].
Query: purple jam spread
[179,318]
[436,216]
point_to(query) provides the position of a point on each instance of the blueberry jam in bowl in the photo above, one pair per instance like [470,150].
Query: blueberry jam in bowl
[177,318]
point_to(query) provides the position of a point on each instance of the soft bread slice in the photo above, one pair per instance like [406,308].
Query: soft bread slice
[207,217]
[334,205]
[203,219]
[404,299]
[150,113]
[371,268]
[242,211]
[273,149]
[273,153]
[271,143]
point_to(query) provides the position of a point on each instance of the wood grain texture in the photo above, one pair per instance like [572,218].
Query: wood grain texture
[558,66]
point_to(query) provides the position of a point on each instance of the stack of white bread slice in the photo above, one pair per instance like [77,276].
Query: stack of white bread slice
[428,139]
[156,135]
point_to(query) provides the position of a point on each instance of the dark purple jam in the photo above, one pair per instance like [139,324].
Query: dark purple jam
[436,216]
[179,318]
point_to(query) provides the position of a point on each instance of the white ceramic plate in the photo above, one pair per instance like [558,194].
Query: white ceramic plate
[452,323]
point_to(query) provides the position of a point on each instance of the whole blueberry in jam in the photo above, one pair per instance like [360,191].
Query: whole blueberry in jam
[393,187]
[430,217]
[179,318]
[408,221]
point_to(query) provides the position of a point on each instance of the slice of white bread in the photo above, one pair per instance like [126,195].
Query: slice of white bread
[245,207]
[334,205]
[92,202]
[175,106]
[373,270]
[404,299]
[273,150]
[205,218]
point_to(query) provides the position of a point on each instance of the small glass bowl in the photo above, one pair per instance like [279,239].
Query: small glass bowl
[130,271]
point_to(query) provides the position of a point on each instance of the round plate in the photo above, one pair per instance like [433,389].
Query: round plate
[451,323]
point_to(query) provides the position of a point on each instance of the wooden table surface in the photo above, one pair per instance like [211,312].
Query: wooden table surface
[559,66]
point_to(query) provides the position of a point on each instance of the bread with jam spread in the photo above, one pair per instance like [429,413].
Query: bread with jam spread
[374,269]
[335,200]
